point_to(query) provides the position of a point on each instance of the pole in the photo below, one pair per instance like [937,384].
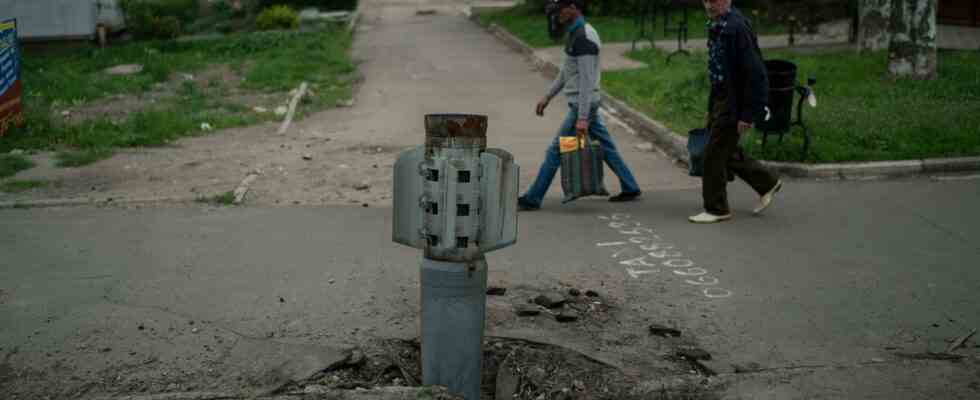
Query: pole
[453,313]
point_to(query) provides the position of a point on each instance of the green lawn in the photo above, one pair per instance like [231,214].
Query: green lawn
[223,199]
[22,186]
[269,62]
[861,115]
[11,164]
[533,28]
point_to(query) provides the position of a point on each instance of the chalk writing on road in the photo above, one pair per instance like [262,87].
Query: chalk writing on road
[655,255]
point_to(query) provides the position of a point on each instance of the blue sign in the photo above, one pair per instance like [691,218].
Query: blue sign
[11,109]
[9,55]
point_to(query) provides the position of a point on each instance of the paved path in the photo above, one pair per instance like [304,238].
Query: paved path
[614,54]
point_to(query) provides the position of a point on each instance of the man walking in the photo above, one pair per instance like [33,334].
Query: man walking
[739,94]
[579,77]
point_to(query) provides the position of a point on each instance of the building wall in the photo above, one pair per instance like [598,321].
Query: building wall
[51,19]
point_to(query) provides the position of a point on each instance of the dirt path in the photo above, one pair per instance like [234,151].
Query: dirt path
[410,65]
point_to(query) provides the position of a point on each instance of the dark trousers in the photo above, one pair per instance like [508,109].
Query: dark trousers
[723,157]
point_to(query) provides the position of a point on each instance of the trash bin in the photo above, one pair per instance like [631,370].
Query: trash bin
[782,84]
[551,11]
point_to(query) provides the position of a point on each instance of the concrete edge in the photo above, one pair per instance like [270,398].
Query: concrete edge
[675,145]
[355,18]
[50,203]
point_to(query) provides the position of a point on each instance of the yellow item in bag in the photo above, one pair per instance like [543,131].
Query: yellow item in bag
[568,144]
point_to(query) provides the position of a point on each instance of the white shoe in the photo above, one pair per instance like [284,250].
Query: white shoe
[709,218]
[766,200]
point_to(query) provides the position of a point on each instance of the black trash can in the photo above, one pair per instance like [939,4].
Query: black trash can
[782,83]
[551,11]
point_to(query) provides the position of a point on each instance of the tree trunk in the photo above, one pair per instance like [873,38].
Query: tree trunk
[912,51]
[873,22]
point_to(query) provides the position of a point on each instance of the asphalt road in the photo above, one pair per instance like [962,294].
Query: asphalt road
[837,278]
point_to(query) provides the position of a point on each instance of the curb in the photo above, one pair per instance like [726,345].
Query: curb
[675,145]
[354,20]
[50,203]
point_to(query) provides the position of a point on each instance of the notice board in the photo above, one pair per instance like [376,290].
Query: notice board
[11,108]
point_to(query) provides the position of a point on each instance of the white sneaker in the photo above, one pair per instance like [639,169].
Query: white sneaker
[766,200]
[709,218]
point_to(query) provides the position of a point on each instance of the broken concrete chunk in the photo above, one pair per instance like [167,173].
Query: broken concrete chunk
[496,291]
[693,353]
[747,367]
[307,156]
[507,381]
[268,365]
[960,341]
[931,356]
[550,300]
[567,316]
[125,69]
[355,358]
[313,14]
[646,146]
[665,331]
[526,310]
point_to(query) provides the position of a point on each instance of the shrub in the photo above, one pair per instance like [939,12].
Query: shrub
[158,19]
[321,4]
[277,17]
[224,27]
[167,27]
[234,8]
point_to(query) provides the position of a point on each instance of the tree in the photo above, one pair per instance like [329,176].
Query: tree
[912,46]
[874,17]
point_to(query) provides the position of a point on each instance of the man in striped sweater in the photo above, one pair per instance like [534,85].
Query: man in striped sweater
[579,78]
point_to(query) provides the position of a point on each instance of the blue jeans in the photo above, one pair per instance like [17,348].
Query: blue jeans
[552,160]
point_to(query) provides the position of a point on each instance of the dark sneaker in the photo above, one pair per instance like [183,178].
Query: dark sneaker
[625,196]
[524,205]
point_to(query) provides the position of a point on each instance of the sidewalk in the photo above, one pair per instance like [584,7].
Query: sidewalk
[614,54]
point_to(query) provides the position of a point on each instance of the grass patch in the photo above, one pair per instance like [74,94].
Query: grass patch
[22,186]
[78,158]
[533,28]
[269,62]
[11,165]
[224,199]
[861,115]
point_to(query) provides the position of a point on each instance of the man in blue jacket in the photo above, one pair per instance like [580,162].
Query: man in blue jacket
[579,78]
[739,94]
